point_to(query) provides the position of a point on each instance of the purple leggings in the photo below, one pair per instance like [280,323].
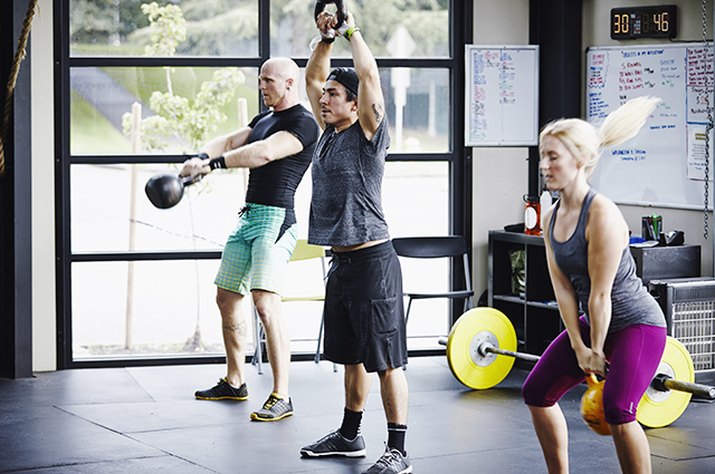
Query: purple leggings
[633,353]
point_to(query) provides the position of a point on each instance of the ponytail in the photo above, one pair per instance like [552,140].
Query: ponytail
[585,142]
[626,121]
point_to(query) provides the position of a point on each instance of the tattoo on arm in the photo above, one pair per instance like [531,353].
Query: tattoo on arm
[378,111]
[239,327]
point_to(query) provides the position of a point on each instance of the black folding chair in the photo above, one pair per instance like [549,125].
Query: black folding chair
[451,246]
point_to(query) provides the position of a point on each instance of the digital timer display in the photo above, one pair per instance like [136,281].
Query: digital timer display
[644,22]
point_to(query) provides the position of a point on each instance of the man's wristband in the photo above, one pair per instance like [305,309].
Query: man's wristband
[350,31]
[217,163]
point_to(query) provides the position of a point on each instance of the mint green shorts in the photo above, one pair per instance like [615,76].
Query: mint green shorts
[256,253]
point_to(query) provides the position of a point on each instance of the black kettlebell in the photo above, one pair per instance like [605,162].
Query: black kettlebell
[339,4]
[165,190]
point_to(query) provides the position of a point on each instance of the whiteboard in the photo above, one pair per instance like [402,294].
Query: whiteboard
[502,84]
[664,165]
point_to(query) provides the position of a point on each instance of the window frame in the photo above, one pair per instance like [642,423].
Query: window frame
[458,159]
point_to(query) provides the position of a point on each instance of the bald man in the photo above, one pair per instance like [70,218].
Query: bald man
[276,147]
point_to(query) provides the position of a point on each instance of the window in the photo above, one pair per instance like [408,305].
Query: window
[404,29]
[226,28]
[142,85]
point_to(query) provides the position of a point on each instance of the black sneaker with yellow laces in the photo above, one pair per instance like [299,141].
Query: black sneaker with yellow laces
[274,409]
[223,391]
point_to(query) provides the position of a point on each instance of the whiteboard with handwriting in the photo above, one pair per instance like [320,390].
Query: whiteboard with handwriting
[665,164]
[502,106]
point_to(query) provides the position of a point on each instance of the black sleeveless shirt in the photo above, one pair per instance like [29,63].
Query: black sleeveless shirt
[630,301]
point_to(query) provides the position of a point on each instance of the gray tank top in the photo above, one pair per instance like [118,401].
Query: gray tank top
[630,301]
[347,170]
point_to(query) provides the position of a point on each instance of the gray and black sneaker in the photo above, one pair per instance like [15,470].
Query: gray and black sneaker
[335,444]
[223,391]
[274,409]
[391,462]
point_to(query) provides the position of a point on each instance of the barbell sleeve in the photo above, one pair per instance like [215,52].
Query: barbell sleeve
[664,383]
[486,347]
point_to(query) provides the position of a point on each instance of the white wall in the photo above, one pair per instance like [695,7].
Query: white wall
[596,33]
[500,175]
[44,319]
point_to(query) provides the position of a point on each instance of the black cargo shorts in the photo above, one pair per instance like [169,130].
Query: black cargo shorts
[364,312]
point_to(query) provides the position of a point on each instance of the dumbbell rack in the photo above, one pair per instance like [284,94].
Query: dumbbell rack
[689,307]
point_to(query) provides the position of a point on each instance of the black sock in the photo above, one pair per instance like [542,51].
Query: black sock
[351,424]
[396,437]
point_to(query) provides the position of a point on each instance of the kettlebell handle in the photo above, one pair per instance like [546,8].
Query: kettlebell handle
[188,180]
[340,5]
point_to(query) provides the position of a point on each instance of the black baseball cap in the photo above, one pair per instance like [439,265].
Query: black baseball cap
[345,76]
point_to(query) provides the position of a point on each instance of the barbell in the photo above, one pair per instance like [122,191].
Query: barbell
[481,350]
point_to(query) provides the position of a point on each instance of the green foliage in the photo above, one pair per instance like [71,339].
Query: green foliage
[177,116]
[168,28]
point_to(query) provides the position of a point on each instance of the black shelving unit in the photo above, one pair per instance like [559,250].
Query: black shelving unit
[530,307]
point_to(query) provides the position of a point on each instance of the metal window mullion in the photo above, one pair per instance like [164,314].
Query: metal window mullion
[155,61]
[384,63]
[264,37]
[394,157]
[160,159]
[264,33]
[125,159]
[84,257]
[460,167]
[62,185]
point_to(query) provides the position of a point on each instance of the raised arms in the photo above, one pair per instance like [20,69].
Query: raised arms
[371,103]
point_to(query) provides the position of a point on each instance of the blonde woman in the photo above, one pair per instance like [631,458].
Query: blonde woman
[622,327]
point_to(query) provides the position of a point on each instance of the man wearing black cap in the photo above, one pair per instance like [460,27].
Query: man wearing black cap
[364,317]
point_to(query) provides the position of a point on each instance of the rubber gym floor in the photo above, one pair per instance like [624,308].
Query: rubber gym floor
[138,420]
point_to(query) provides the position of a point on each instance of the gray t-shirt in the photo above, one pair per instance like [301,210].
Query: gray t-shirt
[347,170]
[630,301]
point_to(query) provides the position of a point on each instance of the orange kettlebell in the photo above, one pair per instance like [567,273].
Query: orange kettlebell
[592,406]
